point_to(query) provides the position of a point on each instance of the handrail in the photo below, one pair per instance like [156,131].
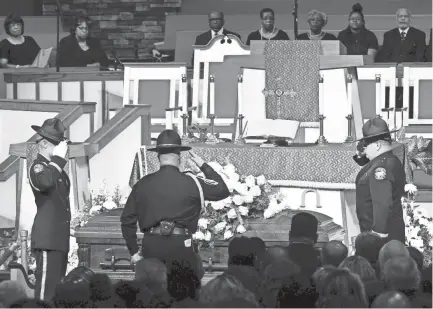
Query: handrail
[69,114]
[116,125]
[20,267]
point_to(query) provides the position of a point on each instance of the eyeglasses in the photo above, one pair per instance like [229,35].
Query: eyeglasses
[83,28]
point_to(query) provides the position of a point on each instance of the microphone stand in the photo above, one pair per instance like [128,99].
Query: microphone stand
[295,18]
[58,36]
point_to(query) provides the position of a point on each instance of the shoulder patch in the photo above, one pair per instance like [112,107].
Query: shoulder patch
[38,168]
[380,173]
[208,181]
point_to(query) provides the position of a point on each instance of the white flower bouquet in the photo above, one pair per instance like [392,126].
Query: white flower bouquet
[223,219]
[419,225]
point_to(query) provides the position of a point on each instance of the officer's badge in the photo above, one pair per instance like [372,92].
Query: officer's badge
[38,168]
[208,181]
[380,173]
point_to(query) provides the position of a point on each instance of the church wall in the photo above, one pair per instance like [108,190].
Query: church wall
[127,36]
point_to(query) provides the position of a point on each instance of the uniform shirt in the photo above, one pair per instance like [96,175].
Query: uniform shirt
[168,195]
[379,188]
[51,186]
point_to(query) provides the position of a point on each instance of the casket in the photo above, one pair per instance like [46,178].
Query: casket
[102,247]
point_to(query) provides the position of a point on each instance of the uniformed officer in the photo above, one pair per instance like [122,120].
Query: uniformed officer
[167,203]
[51,227]
[380,183]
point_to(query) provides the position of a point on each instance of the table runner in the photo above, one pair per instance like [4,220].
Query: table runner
[328,167]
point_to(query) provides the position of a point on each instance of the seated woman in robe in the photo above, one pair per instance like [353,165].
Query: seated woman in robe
[357,39]
[317,21]
[17,50]
[79,49]
[267,31]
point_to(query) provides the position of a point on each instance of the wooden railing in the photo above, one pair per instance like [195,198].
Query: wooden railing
[69,112]
[123,119]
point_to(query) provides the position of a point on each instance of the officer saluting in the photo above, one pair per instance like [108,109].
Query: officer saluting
[167,203]
[380,183]
[51,227]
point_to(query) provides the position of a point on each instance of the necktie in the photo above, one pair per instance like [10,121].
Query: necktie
[403,36]
[215,34]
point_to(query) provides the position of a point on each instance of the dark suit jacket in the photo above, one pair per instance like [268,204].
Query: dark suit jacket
[428,50]
[394,50]
[206,37]
[50,185]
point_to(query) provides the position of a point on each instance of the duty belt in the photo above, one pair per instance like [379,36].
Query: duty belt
[176,231]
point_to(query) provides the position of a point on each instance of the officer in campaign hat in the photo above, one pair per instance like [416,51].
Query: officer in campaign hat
[51,228]
[167,203]
[380,183]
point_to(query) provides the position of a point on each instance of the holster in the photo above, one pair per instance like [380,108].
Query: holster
[166,228]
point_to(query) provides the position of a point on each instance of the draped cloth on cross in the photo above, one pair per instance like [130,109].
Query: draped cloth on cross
[292,80]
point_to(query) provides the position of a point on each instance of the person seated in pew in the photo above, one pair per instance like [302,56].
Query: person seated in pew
[267,31]
[404,43]
[317,21]
[357,39]
[17,50]
[216,25]
[79,49]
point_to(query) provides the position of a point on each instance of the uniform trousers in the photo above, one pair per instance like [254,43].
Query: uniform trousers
[50,269]
[164,247]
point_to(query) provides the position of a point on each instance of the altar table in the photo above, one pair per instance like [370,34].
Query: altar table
[304,166]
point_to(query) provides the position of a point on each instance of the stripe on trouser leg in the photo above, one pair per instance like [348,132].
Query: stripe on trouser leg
[44,274]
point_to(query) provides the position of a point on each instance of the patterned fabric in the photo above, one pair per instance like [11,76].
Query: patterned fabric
[292,80]
[332,164]
[32,153]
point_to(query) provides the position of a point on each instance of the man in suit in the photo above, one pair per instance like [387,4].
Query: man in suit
[380,183]
[51,228]
[404,43]
[216,25]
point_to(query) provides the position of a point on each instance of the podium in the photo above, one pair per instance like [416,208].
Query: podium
[77,168]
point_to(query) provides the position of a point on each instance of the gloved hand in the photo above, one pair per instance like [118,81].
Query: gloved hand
[61,149]
[135,258]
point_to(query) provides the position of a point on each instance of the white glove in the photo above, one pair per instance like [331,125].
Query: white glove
[135,258]
[60,150]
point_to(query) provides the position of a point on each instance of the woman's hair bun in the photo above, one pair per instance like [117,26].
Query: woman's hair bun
[357,8]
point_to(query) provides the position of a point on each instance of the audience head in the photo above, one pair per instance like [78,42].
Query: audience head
[368,245]
[72,295]
[151,269]
[342,289]
[247,275]
[223,288]
[267,17]
[31,303]
[271,255]
[10,292]
[80,274]
[14,25]
[391,299]
[417,256]
[320,275]
[317,20]
[304,226]
[216,20]
[403,18]
[391,249]
[356,17]
[296,292]
[240,251]
[258,248]
[127,291]
[360,266]
[333,253]
[401,273]
[81,28]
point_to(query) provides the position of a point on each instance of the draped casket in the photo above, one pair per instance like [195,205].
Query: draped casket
[103,249]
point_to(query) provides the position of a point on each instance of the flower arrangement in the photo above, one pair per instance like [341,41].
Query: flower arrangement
[251,197]
[419,225]
[101,200]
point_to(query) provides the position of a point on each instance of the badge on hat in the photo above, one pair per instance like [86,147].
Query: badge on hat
[38,168]
[380,173]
